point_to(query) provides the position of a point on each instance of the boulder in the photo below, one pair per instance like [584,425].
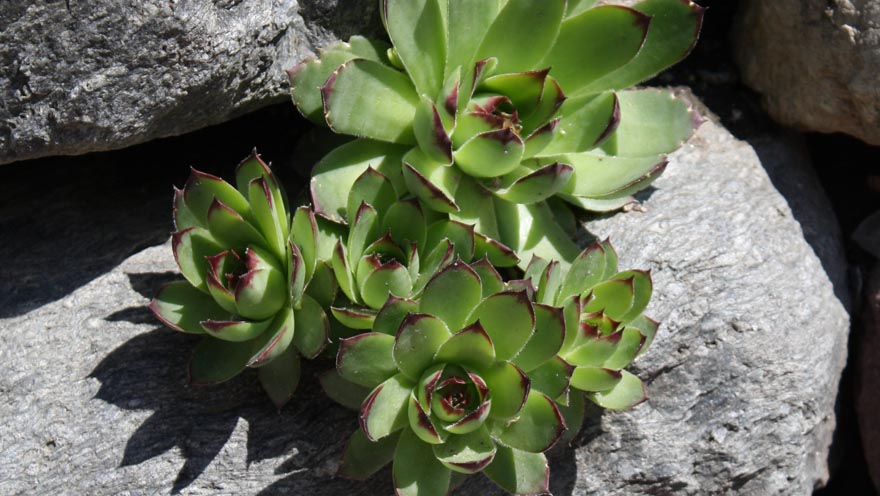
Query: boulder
[742,376]
[816,63]
[82,76]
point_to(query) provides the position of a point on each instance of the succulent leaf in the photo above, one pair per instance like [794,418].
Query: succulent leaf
[203,189]
[651,122]
[509,319]
[416,28]
[346,393]
[519,472]
[510,387]
[467,453]
[215,361]
[538,185]
[417,342]
[538,427]
[312,328]
[275,340]
[471,347]
[235,330]
[280,377]
[552,377]
[490,279]
[366,359]
[586,122]
[191,247]
[183,216]
[466,27]
[547,339]
[384,412]
[430,132]
[416,470]
[490,154]
[452,294]
[431,181]
[372,188]
[392,314]
[363,457]
[304,234]
[182,307]
[627,393]
[231,229]
[595,378]
[585,272]
[540,18]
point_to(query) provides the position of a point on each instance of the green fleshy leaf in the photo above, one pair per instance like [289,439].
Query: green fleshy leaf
[614,297]
[675,26]
[576,7]
[648,327]
[355,318]
[322,286]
[509,320]
[417,342]
[296,273]
[595,378]
[366,359]
[363,458]
[594,43]
[538,140]
[312,328]
[418,33]
[202,189]
[183,307]
[406,222]
[471,347]
[215,361]
[535,269]
[431,181]
[630,344]
[191,246]
[384,412]
[280,377]
[451,294]
[587,121]
[307,78]
[373,188]
[231,229]
[509,386]
[551,99]
[534,186]
[652,122]
[524,89]
[539,18]
[602,175]
[490,154]
[344,276]
[628,393]
[538,427]
[441,256]
[593,353]
[493,250]
[532,230]
[329,234]
[490,279]
[346,393]
[262,290]
[351,97]
[600,204]
[334,176]
[364,230]
[274,341]
[546,341]
[552,377]
[519,472]
[573,413]
[252,168]
[417,472]
[431,133]
[235,330]
[391,278]
[467,453]
[477,208]
[467,25]
[304,233]
[391,316]
[183,216]
[422,424]
[461,235]
[586,271]
[549,284]
[642,289]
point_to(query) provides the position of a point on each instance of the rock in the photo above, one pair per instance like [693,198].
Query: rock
[815,62]
[82,76]
[868,377]
[742,377]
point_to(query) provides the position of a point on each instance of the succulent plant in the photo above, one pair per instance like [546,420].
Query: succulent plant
[605,325]
[245,279]
[460,381]
[486,124]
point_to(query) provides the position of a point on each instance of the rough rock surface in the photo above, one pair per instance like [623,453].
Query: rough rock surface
[815,62]
[80,76]
[742,377]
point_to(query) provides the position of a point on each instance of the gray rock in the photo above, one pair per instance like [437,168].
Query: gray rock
[815,62]
[742,377]
[81,76]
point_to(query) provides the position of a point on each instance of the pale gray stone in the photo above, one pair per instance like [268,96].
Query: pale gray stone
[816,63]
[81,76]
[742,377]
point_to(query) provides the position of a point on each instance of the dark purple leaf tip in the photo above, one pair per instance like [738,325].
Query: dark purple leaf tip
[366,408]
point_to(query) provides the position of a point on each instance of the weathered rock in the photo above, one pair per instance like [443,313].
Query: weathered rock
[815,62]
[82,76]
[742,377]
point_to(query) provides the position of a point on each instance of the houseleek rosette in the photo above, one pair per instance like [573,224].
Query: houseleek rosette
[246,280]
[605,325]
[447,386]
[486,124]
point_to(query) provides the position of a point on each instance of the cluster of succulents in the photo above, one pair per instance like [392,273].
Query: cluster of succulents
[471,143]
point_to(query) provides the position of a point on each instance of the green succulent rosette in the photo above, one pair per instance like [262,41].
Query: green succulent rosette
[460,381]
[606,328]
[245,280]
[495,128]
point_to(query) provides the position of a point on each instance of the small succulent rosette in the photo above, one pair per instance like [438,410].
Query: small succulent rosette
[605,325]
[461,381]
[488,127]
[245,287]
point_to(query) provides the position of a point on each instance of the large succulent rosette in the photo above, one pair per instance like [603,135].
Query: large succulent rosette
[494,126]
[245,280]
[461,381]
